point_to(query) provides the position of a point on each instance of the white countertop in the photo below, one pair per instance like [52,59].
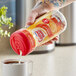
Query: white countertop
[60,62]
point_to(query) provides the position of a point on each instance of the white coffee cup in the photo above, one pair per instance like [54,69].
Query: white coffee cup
[12,68]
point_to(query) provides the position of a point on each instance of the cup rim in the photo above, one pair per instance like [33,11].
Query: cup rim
[24,61]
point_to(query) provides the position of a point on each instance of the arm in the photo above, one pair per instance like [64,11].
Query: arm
[57,4]
[54,4]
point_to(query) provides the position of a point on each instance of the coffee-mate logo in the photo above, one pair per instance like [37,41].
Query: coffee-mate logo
[40,34]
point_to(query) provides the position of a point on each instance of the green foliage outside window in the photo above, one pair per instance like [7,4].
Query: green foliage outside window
[4,20]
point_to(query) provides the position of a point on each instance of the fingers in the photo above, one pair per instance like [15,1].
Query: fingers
[32,17]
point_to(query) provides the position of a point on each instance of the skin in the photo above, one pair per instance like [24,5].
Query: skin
[48,5]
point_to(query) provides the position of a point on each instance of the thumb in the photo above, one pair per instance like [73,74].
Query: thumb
[32,17]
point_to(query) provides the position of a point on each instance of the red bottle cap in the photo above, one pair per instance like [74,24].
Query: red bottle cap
[19,42]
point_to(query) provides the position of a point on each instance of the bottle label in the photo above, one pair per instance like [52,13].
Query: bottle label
[45,28]
[39,34]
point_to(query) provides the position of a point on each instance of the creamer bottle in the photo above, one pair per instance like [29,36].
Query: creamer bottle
[43,30]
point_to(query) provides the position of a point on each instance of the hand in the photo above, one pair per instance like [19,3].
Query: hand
[37,12]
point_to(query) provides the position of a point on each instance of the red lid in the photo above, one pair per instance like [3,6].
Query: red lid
[19,42]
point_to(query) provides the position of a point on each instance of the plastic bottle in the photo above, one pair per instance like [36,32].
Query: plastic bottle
[44,29]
